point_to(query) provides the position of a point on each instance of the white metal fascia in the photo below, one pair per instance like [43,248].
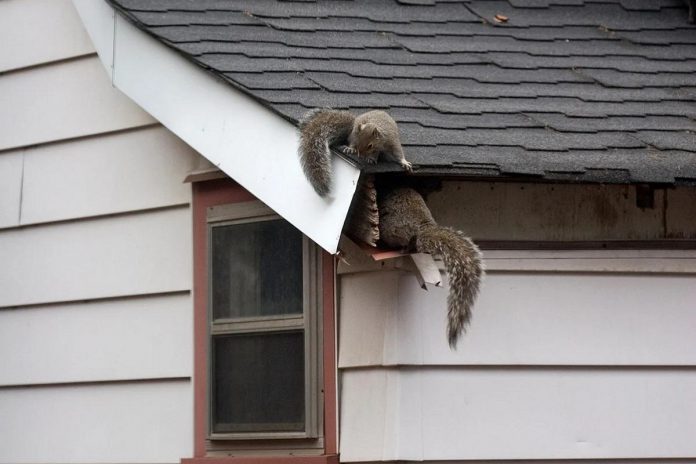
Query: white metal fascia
[248,142]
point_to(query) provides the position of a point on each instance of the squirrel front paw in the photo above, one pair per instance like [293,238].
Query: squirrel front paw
[349,150]
[406,165]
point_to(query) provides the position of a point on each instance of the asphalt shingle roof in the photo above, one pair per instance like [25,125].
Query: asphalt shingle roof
[568,90]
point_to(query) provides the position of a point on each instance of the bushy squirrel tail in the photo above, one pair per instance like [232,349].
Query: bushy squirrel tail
[464,267]
[320,129]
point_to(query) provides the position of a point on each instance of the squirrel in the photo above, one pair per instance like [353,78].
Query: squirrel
[369,136]
[406,222]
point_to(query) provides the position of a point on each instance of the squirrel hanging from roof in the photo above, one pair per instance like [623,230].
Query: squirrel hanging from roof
[406,222]
[403,218]
[370,136]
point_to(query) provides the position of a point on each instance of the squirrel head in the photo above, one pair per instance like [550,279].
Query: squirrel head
[368,139]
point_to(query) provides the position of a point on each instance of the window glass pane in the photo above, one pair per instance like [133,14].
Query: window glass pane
[258,382]
[256,269]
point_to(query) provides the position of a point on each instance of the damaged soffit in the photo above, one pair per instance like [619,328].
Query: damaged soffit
[571,90]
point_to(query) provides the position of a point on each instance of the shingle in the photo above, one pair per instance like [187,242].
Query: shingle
[312,99]
[433,119]
[187,18]
[598,48]
[636,64]
[680,35]
[483,73]
[611,15]
[369,9]
[611,78]
[682,140]
[565,90]
[527,138]
[468,88]
[568,106]
[563,123]
[240,63]
[272,81]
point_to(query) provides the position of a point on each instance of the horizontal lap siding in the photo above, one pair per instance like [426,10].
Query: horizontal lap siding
[95,248]
[117,256]
[145,422]
[121,339]
[116,173]
[557,413]
[62,101]
[35,32]
[523,318]
[570,355]
[10,188]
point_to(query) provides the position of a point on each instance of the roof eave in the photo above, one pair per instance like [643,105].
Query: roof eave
[250,143]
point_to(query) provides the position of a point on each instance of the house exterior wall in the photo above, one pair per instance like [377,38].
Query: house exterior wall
[95,256]
[571,354]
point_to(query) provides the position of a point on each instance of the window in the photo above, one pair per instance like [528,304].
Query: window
[264,377]
[264,326]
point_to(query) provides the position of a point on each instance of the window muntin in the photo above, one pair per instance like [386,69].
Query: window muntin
[263,364]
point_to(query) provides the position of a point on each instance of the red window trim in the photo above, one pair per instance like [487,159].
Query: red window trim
[220,192]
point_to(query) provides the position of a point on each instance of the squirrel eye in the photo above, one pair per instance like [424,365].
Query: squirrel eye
[369,146]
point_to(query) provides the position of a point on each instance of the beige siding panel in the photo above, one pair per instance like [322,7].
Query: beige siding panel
[33,32]
[147,422]
[133,338]
[116,256]
[115,173]
[520,414]
[523,211]
[523,318]
[368,318]
[10,187]
[64,100]
[597,261]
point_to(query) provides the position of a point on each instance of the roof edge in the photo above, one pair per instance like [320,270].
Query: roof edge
[250,143]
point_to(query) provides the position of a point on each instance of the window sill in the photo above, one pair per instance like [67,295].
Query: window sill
[324,459]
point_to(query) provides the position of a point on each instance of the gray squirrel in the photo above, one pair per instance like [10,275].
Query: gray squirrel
[369,136]
[404,219]
[406,222]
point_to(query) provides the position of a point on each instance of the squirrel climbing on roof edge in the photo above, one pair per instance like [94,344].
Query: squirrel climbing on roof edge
[370,136]
[406,221]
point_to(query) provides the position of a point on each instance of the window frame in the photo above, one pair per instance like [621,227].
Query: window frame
[321,450]
[309,321]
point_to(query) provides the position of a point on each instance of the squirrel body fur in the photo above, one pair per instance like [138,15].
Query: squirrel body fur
[406,221]
[370,136]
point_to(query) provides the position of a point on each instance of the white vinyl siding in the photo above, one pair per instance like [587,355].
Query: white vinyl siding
[568,356]
[95,247]
[447,413]
[585,354]
[61,101]
[523,318]
[111,340]
[141,422]
[36,32]
[10,188]
[127,171]
[135,254]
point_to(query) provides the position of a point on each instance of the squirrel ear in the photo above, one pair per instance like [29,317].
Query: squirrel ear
[361,127]
[376,132]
